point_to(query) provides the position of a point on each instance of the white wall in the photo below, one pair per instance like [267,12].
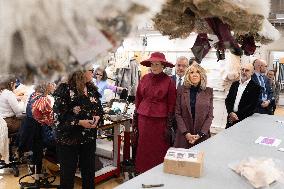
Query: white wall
[158,43]
[162,43]
[275,46]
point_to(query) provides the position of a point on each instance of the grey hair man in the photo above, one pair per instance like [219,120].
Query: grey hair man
[180,67]
[242,98]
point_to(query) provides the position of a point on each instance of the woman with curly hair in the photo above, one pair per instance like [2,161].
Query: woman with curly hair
[77,114]
[194,108]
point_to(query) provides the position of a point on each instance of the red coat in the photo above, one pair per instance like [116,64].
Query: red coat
[155,99]
[203,115]
[156,95]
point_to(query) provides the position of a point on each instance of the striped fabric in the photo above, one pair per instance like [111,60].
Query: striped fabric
[42,111]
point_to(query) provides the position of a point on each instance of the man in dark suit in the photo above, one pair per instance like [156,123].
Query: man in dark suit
[275,89]
[243,96]
[180,68]
[266,95]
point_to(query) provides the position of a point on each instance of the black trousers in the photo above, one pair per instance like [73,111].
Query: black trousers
[37,147]
[68,156]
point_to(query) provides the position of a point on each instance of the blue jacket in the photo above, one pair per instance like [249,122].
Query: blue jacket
[268,88]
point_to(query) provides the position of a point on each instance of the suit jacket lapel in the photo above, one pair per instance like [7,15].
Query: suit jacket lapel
[175,78]
[244,95]
[255,79]
[236,91]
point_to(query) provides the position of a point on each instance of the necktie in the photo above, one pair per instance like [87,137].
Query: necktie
[179,82]
[262,86]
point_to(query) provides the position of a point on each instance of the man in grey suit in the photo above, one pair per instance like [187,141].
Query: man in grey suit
[275,89]
[180,68]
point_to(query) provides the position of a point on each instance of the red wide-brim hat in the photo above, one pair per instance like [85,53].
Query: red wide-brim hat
[157,57]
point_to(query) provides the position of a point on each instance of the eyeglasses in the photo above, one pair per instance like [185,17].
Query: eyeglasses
[92,70]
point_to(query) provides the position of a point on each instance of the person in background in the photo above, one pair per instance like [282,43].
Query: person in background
[102,84]
[77,114]
[181,66]
[39,113]
[275,89]
[194,108]
[266,95]
[42,107]
[11,110]
[243,97]
[155,101]
[27,130]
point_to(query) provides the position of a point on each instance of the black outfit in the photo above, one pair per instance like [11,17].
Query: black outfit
[266,89]
[75,142]
[193,93]
[275,88]
[192,99]
[30,134]
[247,103]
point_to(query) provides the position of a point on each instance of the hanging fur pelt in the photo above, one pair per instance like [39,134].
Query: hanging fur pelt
[242,16]
[39,37]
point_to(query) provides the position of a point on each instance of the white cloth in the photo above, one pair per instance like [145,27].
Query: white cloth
[177,80]
[27,90]
[260,171]
[9,105]
[4,140]
[241,89]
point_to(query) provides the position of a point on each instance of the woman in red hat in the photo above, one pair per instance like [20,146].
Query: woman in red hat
[155,102]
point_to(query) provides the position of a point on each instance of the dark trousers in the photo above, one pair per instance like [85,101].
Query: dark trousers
[37,147]
[263,110]
[68,158]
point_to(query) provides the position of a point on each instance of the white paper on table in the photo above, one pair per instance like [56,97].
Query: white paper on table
[181,154]
[279,121]
[268,141]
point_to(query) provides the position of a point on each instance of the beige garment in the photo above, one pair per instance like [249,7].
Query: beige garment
[4,140]
[260,172]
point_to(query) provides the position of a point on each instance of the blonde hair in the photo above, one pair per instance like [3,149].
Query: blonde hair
[203,76]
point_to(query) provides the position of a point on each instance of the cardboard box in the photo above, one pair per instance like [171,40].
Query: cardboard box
[186,162]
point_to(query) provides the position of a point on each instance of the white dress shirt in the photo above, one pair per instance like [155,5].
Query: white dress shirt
[241,89]
[9,105]
[177,80]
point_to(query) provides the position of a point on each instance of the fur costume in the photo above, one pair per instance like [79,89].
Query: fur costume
[38,38]
[242,16]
